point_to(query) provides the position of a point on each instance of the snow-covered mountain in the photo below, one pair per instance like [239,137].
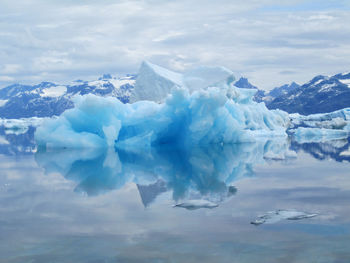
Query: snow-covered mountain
[321,94]
[48,99]
[279,91]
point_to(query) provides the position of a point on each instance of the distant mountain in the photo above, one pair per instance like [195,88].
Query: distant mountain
[321,94]
[280,91]
[243,83]
[48,99]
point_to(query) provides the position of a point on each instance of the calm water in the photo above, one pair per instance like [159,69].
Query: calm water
[109,206]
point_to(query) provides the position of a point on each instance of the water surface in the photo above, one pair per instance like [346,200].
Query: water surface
[117,206]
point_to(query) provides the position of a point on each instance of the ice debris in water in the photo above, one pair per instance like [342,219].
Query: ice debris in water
[196,204]
[199,107]
[278,215]
[321,127]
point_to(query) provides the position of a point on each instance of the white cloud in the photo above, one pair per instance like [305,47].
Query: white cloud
[6,78]
[10,68]
[71,39]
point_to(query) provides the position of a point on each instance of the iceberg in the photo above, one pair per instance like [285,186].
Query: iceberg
[321,127]
[209,110]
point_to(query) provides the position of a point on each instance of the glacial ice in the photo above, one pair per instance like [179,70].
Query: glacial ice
[321,127]
[191,114]
[278,215]
[154,83]
[196,204]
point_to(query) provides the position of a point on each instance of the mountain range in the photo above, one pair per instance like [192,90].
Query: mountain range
[321,94]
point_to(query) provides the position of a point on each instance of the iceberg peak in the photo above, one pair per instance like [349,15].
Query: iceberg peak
[154,82]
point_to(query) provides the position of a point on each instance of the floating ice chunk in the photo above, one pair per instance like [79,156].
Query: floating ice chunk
[278,215]
[332,120]
[196,204]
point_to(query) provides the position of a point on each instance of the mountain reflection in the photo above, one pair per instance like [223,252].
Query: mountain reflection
[198,173]
[338,150]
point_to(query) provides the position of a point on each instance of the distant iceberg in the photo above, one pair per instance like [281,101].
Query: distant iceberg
[321,127]
[199,107]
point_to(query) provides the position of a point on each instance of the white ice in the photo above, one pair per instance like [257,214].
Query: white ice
[278,215]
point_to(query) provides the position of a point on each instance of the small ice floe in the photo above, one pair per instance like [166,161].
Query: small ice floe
[196,204]
[278,215]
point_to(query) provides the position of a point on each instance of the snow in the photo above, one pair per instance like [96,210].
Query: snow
[122,81]
[345,81]
[327,87]
[318,82]
[3,102]
[55,91]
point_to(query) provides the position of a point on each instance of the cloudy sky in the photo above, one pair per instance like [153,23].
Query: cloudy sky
[271,42]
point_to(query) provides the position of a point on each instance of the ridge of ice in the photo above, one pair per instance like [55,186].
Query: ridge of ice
[154,83]
[201,118]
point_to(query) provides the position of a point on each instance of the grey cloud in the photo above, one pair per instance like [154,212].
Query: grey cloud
[66,40]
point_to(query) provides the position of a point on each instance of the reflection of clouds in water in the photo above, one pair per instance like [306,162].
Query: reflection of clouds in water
[198,173]
[42,218]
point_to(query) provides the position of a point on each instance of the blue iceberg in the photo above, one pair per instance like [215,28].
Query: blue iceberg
[199,107]
[321,127]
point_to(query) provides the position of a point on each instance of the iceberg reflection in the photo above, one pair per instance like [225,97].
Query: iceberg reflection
[338,150]
[196,173]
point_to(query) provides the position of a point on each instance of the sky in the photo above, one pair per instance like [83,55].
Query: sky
[268,41]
